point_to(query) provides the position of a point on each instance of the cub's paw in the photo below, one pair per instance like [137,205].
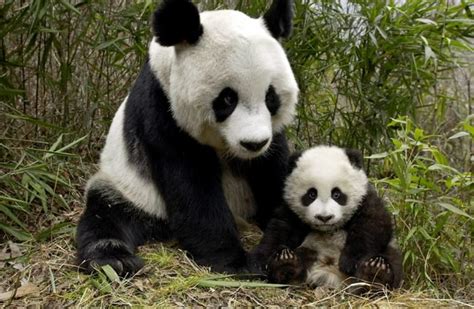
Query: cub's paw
[375,270]
[284,267]
[112,252]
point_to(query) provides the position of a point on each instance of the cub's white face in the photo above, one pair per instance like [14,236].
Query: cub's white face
[324,189]
[233,89]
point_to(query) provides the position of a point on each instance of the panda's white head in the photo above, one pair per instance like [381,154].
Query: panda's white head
[326,186]
[226,75]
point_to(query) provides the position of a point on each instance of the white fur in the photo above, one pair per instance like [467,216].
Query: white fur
[234,51]
[238,194]
[324,168]
[328,247]
[116,171]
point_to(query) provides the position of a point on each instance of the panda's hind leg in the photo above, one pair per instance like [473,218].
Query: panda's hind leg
[110,230]
[384,269]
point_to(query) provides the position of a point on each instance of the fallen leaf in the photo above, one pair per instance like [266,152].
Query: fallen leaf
[26,289]
[14,249]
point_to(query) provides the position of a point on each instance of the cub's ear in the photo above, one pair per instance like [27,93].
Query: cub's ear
[175,22]
[278,18]
[355,157]
[292,161]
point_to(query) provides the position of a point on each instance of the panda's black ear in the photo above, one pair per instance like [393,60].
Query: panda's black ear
[278,18]
[355,157]
[175,22]
[292,161]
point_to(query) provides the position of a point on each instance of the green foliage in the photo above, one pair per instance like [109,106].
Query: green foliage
[360,65]
[37,182]
[432,202]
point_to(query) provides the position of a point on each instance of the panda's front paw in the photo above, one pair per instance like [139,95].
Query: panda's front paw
[284,267]
[256,263]
[111,252]
[375,270]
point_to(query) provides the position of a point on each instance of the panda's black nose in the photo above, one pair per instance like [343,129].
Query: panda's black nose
[324,218]
[254,146]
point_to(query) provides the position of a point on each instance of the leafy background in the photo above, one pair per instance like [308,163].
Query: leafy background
[392,78]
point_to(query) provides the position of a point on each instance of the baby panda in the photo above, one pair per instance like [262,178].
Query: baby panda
[332,226]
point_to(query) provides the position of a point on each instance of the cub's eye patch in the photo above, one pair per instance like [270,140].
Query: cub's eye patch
[225,103]
[338,196]
[309,196]
[272,100]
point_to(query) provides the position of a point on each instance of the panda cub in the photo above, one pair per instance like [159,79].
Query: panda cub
[333,225]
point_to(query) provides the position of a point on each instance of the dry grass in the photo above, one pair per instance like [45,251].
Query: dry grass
[43,274]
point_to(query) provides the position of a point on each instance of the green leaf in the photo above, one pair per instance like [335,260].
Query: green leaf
[459,134]
[20,235]
[70,7]
[454,209]
[236,284]
[378,155]
[110,273]
[426,21]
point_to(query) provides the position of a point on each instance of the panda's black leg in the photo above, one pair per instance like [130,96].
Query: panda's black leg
[198,214]
[284,230]
[288,266]
[110,230]
[384,269]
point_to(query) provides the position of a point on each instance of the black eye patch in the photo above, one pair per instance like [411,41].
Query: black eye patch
[338,196]
[309,197]
[225,103]
[272,100]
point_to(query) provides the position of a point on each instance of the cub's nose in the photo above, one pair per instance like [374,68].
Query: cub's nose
[324,218]
[253,146]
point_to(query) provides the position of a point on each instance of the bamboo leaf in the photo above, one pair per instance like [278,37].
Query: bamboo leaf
[454,209]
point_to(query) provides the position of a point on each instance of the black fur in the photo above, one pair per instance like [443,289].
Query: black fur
[292,269]
[339,196]
[355,157]
[177,21]
[278,18]
[292,161]
[309,197]
[225,104]
[368,232]
[120,227]
[188,175]
[285,229]
[272,100]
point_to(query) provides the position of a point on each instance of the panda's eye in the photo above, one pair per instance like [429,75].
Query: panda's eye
[225,103]
[272,100]
[309,196]
[338,196]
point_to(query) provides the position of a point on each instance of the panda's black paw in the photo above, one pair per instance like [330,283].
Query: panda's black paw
[375,270]
[284,267]
[109,252]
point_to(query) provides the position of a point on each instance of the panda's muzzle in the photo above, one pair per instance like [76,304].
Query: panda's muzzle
[254,146]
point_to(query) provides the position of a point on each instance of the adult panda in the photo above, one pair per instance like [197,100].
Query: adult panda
[198,141]
[332,225]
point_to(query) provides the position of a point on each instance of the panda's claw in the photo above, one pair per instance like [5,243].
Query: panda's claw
[284,266]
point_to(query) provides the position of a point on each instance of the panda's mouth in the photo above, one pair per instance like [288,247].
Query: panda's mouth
[326,227]
[249,151]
